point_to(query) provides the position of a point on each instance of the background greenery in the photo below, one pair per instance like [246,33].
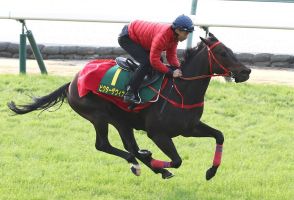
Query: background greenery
[52,155]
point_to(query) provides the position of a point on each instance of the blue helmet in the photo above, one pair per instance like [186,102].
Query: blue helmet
[184,23]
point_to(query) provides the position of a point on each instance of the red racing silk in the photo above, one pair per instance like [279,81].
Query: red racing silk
[156,38]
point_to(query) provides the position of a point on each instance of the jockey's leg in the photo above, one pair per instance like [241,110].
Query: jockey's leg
[133,88]
[138,77]
[142,56]
[135,50]
[203,130]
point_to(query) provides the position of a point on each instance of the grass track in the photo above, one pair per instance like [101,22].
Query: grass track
[52,155]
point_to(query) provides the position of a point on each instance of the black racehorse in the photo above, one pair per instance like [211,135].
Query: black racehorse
[177,112]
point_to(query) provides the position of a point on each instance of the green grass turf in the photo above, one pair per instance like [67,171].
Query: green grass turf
[52,155]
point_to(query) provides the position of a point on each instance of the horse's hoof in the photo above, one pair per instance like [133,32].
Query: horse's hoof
[210,173]
[167,175]
[136,169]
[145,153]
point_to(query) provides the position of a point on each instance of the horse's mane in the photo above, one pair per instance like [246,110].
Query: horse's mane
[191,52]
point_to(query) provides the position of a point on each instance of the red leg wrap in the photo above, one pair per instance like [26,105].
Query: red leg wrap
[218,155]
[160,164]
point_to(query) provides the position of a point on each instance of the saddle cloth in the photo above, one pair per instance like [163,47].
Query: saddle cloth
[106,79]
[115,81]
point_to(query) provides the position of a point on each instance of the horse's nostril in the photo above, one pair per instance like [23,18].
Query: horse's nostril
[246,71]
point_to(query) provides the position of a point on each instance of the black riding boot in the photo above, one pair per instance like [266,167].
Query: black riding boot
[131,96]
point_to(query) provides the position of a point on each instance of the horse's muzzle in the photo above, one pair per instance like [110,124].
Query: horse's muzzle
[242,76]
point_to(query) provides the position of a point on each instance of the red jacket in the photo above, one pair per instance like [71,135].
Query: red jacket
[156,38]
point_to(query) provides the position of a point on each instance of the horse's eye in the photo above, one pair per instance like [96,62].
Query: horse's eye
[223,54]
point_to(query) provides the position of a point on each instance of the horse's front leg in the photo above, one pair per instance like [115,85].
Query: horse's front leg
[203,130]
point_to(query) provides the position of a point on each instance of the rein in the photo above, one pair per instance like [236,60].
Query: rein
[178,105]
[211,58]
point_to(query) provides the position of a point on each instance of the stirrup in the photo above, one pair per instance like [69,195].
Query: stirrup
[131,97]
[134,100]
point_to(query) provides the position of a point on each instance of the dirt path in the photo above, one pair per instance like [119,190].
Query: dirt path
[55,67]
[71,67]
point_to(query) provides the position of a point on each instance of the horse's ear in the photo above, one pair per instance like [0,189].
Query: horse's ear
[212,36]
[204,40]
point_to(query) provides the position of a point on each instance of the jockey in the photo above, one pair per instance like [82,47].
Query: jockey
[145,41]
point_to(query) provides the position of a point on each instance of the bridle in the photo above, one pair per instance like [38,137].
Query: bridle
[211,59]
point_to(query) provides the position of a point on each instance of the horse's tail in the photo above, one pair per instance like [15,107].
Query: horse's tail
[41,103]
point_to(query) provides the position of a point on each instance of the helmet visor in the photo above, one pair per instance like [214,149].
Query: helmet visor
[187,29]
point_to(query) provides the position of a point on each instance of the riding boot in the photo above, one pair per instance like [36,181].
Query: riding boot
[131,96]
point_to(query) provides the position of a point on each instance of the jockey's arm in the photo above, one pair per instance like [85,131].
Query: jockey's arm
[171,56]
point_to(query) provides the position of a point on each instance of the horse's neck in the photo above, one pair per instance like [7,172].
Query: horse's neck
[197,65]
[195,90]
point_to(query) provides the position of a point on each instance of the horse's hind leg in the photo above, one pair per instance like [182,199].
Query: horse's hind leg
[92,108]
[130,144]
[167,146]
[102,143]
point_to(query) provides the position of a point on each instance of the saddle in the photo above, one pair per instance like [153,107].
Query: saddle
[130,66]
[127,64]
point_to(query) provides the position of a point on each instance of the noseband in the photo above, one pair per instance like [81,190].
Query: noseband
[211,59]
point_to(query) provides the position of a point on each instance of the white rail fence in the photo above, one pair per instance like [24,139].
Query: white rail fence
[199,21]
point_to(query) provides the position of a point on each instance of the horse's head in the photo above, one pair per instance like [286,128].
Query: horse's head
[223,61]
